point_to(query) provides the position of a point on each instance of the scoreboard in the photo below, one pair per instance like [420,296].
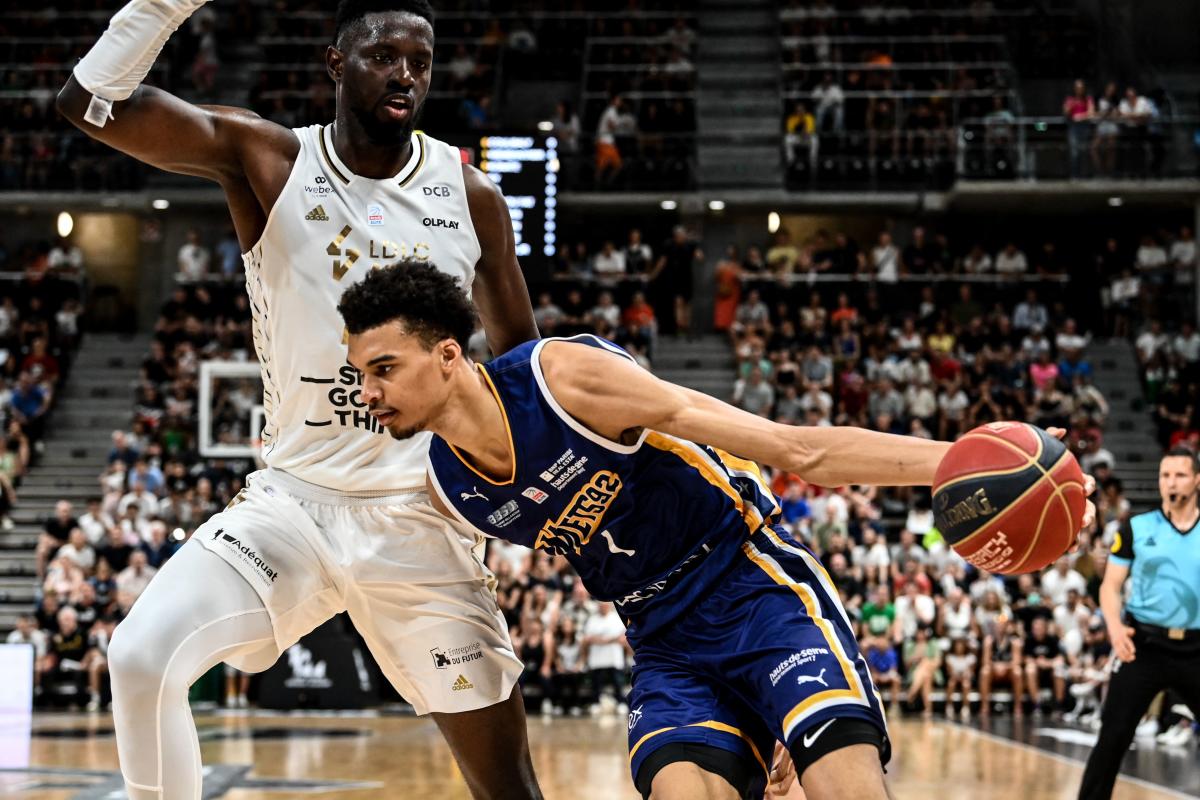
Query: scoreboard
[526,170]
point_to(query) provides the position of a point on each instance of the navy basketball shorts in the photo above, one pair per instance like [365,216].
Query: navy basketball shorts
[768,655]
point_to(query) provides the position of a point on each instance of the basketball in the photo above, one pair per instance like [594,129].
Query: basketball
[1009,497]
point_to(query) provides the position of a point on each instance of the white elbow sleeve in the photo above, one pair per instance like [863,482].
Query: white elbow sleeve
[125,52]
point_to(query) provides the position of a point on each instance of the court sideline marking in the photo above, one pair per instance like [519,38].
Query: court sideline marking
[1074,762]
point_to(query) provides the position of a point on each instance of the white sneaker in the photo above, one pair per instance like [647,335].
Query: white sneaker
[1147,730]
[6,523]
[1165,736]
[547,707]
[94,703]
[242,702]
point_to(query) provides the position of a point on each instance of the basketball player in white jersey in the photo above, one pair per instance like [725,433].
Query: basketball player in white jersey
[339,519]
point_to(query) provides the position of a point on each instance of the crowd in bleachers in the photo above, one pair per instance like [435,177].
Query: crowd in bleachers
[39,331]
[1114,133]
[934,359]
[155,489]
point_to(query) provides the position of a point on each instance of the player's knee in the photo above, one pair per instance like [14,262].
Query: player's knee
[134,661]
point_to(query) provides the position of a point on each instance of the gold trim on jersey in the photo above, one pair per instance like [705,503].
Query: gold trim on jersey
[813,608]
[714,725]
[711,473]
[420,161]
[329,161]
[512,450]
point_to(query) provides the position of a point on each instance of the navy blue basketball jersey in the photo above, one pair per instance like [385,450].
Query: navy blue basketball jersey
[649,524]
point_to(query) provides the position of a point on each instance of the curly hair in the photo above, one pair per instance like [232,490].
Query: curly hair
[351,11]
[429,302]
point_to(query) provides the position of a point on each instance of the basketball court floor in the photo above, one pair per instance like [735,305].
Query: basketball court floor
[261,756]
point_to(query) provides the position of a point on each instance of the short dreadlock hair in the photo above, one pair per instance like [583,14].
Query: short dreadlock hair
[430,303]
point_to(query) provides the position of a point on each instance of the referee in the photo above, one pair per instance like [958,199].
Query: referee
[1157,644]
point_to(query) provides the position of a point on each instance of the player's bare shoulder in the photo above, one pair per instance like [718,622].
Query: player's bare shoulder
[489,211]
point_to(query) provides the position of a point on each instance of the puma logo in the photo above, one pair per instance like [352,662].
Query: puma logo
[818,678]
[612,546]
[465,496]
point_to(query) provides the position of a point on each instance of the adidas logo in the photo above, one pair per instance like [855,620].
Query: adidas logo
[317,215]
[461,684]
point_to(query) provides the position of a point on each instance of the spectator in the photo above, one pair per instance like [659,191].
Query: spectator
[1030,314]
[753,393]
[78,551]
[137,576]
[920,256]
[639,322]
[566,128]
[66,256]
[122,450]
[29,403]
[608,157]
[1079,110]
[1011,261]
[26,632]
[55,533]
[609,262]
[1151,342]
[828,100]
[1002,660]
[605,647]
[1108,129]
[605,316]
[229,254]
[783,255]
[670,282]
[922,661]
[193,258]
[728,290]
[960,672]
[977,262]
[883,664]
[639,258]
[1044,663]
[885,259]
[799,138]
[547,314]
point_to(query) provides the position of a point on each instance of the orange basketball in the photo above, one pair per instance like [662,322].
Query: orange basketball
[1009,498]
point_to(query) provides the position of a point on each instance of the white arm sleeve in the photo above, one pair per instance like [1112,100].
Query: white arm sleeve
[120,60]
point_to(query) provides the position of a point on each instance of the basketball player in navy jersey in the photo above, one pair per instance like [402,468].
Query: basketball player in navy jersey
[339,519]
[566,445]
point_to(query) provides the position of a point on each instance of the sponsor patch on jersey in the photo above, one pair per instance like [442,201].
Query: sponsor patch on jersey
[319,187]
[505,514]
[438,222]
[806,656]
[565,469]
[437,190]
[535,494]
[462,684]
[317,215]
[375,214]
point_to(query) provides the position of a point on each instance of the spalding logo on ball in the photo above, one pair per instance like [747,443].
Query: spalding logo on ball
[1009,498]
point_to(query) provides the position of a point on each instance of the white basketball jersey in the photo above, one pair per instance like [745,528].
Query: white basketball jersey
[328,227]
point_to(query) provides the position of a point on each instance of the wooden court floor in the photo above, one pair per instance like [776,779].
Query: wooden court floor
[253,757]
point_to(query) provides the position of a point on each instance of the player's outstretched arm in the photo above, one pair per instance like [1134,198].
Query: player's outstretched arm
[611,395]
[105,99]
[159,129]
[499,289]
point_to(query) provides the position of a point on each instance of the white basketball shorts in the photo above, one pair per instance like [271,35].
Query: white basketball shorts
[412,581]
